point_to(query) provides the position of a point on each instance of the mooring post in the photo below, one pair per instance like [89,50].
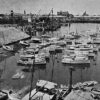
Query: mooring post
[32,75]
[70,78]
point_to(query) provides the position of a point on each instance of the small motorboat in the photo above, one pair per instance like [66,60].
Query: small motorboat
[91,55]
[61,43]
[38,61]
[3,95]
[45,36]
[24,43]
[90,83]
[44,44]
[67,60]
[76,60]
[59,49]
[44,55]
[85,84]
[19,75]
[27,56]
[7,48]
[32,51]
[22,63]
[35,40]
[13,96]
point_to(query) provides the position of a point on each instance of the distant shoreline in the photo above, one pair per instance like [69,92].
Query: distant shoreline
[76,21]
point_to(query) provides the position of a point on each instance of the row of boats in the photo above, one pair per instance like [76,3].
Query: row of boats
[46,90]
[75,49]
[71,54]
[79,54]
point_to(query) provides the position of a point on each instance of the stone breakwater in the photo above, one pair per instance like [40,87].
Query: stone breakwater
[10,35]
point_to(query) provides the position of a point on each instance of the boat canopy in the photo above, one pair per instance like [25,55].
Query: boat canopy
[42,96]
[46,84]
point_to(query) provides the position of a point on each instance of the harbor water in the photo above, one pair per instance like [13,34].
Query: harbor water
[54,70]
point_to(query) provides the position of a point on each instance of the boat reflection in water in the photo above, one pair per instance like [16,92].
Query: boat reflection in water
[84,65]
[36,67]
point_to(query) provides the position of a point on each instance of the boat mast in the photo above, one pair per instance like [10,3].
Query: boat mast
[53,63]
[76,35]
[32,75]
[68,28]
[52,21]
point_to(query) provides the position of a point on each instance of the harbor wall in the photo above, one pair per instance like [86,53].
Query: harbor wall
[10,35]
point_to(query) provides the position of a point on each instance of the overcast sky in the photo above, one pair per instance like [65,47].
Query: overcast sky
[73,6]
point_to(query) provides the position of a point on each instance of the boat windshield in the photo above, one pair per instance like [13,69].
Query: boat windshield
[45,90]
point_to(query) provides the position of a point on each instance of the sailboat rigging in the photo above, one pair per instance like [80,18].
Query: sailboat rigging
[52,21]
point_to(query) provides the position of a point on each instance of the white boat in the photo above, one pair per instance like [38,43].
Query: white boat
[66,60]
[68,56]
[44,55]
[58,49]
[77,60]
[78,52]
[53,39]
[38,61]
[71,47]
[44,90]
[24,43]
[61,43]
[44,44]
[19,75]
[84,49]
[7,48]
[26,56]
[69,51]
[89,83]
[91,55]
[45,36]
[70,37]
[31,51]
[3,95]
[84,84]
[52,49]
[35,40]
[13,96]
[96,41]
[21,62]
[81,57]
